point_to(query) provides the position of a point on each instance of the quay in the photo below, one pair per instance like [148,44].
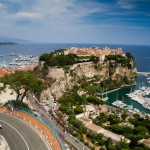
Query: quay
[143,73]
[108,92]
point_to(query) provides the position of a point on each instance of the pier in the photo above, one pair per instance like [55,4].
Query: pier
[108,92]
[143,73]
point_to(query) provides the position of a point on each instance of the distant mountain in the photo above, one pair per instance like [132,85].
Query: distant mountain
[13,40]
[7,43]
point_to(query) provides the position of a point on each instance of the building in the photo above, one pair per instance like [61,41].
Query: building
[95,51]
[3,72]
[97,129]
[146,142]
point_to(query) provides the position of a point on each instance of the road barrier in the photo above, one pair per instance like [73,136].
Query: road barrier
[49,125]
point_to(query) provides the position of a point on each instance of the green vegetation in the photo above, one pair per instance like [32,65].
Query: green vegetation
[116,60]
[133,127]
[15,104]
[85,91]
[58,58]
[42,73]
[129,56]
[95,100]
[110,84]
[23,83]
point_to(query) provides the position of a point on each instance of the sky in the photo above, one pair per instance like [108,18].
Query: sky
[77,21]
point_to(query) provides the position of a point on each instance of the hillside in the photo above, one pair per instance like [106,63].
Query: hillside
[66,71]
[7,43]
[8,40]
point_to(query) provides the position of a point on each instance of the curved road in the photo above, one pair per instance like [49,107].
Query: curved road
[19,135]
[73,140]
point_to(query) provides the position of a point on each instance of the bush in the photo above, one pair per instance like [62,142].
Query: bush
[17,103]
[78,109]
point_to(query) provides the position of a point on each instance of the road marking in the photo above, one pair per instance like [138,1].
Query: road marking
[38,132]
[17,132]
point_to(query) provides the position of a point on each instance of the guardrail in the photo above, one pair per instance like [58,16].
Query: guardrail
[44,122]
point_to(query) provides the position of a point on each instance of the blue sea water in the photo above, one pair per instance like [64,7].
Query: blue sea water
[141,54]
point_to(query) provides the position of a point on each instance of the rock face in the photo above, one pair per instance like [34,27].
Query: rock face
[67,77]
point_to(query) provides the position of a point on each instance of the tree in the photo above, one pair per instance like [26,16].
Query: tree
[117,128]
[113,118]
[122,145]
[23,83]
[124,115]
[136,116]
[78,109]
[141,130]
[76,123]
[91,135]
[129,56]
[94,100]
[127,131]
[100,135]
[63,108]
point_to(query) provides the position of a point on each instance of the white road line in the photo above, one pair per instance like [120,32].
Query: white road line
[17,132]
[37,131]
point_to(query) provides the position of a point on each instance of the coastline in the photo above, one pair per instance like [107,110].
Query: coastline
[143,73]
[8,70]
[122,94]
[116,89]
[109,91]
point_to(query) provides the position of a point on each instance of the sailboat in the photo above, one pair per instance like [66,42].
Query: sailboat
[130,107]
[115,103]
[105,98]
[119,103]
[129,94]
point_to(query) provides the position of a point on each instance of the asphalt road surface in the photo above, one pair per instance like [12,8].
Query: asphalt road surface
[19,135]
[73,140]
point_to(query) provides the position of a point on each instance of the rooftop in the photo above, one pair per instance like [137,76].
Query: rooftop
[94,127]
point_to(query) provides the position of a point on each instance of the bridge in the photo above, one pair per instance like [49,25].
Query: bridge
[143,73]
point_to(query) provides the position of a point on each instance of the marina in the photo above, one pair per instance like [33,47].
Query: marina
[140,96]
[23,60]
[18,60]
[135,99]
[140,53]
[119,104]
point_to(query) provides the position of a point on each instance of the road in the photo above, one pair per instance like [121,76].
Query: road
[73,140]
[19,135]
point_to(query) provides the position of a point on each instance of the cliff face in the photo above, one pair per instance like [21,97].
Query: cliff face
[68,76]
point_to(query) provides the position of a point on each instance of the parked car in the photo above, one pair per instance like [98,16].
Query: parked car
[0,126]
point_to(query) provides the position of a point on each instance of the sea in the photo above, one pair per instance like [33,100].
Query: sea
[141,55]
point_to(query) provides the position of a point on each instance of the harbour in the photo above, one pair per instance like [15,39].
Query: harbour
[135,97]
[23,60]
[140,53]
[18,60]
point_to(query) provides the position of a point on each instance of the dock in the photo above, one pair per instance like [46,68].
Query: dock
[143,73]
[108,92]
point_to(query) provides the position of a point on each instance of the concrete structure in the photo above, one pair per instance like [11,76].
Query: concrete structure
[97,129]
[95,51]
[146,142]
[86,121]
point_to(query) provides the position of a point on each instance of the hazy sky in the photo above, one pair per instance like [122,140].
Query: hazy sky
[84,21]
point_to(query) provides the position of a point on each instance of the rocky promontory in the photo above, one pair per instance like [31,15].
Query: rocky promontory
[104,68]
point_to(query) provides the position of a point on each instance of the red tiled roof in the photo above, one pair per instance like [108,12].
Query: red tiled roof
[3,73]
